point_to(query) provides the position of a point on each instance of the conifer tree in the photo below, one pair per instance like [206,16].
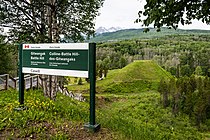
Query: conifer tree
[164,91]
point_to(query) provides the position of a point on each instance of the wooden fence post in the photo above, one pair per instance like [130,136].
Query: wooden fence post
[15,84]
[7,82]
[37,82]
[31,82]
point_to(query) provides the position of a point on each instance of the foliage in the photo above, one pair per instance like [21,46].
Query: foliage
[178,54]
[8,54]
[80,81]
[173,12]
[38,21]
[32,21]
[198,71]
[38,121]
[131,34]
[133,111]
[189,95]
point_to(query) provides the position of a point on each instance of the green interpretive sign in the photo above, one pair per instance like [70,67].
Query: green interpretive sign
[56,59]
[67,59]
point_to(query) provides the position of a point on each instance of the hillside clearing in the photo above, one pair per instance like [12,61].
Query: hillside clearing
[138,76]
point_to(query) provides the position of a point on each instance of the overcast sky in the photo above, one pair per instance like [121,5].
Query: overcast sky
[122,13]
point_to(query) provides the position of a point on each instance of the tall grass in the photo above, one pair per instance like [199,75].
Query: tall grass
[142,118]
[41,116]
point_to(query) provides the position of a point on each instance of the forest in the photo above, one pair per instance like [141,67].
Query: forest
[181,55]
[186,57]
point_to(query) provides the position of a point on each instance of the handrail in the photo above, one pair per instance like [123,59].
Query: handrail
[13,79]
[30,77]
[2,75]
[9,81]
[1,79]
[5,81]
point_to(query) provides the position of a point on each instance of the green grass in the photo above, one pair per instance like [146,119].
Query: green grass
[142,75]
[141,70]
[140,117]
[122,116]
[44,118]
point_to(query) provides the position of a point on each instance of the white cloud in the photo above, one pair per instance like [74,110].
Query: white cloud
[196,25]
[119,13]
[123,13]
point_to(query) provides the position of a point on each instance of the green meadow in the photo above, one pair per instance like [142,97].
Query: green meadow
[127,107]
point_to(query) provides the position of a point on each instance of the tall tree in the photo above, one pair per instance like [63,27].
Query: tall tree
[173,12]
[35,21]
[164,91]
[29,20]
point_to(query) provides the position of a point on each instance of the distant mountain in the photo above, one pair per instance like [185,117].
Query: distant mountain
[102,30]
[115,34]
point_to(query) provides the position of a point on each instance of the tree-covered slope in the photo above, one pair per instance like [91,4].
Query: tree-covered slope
[138,33]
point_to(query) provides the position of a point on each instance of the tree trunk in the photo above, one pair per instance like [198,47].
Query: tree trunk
[50,84]
[165,99]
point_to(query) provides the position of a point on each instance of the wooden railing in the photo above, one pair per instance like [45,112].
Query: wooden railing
[33,81]
[7,81]
[4,82]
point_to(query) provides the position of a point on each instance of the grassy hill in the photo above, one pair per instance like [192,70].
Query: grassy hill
[142,75]
[140,70]
[138,33]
